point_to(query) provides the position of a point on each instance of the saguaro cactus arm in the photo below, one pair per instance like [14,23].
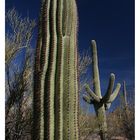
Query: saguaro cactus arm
[115,93]
[92,94]
[112,97]
[110,88]
[95,69]
[87,99]
[109,96]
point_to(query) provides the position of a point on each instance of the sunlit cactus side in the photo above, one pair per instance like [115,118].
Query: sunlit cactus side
[55,101]
[101,104]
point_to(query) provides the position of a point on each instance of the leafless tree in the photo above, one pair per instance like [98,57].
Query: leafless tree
[18,75]
[84,61]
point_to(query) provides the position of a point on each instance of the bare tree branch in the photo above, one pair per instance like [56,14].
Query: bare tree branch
[18,77]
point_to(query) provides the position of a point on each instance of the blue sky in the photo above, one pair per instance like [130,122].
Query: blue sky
[110,23]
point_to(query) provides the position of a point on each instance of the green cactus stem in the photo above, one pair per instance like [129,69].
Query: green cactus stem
[55,99]
[125,94]
[101,104]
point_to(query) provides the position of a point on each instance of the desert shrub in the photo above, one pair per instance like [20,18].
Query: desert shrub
[121,123]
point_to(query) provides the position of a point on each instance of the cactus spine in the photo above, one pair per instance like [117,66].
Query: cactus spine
[100,103]
[55,75]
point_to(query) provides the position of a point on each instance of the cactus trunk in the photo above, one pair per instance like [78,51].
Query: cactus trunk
[125,94]
[101,117]
[101,104]
[55,76]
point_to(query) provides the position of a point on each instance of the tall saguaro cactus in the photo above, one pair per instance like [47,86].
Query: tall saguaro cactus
[55,76]
[100,103]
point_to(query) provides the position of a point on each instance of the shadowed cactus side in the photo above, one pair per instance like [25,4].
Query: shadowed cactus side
[55,99]
[95,98]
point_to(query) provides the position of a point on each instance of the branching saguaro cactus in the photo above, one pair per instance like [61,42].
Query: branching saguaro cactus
[55,77]
[100,103]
